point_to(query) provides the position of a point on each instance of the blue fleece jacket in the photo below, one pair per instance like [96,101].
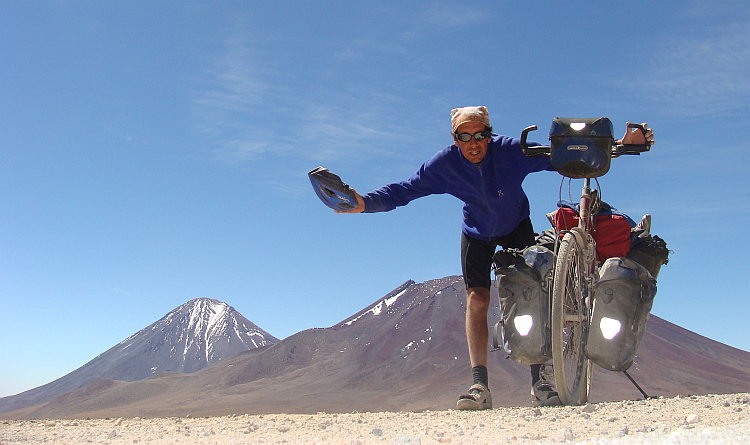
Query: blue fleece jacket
[494,201]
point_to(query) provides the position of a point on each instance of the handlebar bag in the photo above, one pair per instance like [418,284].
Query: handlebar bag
[522,279]
[623,297]
[581,148]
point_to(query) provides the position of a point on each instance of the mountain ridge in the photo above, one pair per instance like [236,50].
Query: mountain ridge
[405,352]
[188,338]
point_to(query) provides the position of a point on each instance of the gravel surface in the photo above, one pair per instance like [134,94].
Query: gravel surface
[712,419]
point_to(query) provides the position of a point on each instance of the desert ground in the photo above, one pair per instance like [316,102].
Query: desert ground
[714,419]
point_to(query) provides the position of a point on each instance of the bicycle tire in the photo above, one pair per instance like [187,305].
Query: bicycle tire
[570,319]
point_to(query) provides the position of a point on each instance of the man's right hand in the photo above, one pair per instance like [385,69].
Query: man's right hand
[360,204]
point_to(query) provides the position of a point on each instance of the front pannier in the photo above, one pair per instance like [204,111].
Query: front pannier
[623,297]
[581,148]
[523,279]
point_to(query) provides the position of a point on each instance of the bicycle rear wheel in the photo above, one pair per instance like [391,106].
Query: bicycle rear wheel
[570,318]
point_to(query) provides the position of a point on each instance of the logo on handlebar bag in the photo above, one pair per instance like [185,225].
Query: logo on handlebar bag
[577,147]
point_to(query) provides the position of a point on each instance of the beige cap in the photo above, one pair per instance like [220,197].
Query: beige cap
[469,114]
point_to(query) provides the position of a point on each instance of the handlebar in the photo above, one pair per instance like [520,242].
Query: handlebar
[539,150]
[617,149]
[631,149]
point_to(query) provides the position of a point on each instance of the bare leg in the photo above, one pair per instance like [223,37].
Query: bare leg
[477,332]
[477,336]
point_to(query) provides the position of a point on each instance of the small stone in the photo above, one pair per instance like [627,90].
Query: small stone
[589,408]
[692,419]
[566,435]
[377,432]
[406,440]
[534,436]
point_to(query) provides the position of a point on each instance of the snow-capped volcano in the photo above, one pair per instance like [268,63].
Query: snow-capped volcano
[198,333]
[187,339]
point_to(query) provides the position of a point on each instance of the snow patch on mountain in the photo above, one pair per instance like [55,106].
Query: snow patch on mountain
[378,308]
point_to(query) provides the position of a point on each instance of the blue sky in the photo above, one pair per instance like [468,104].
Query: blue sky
[156,152]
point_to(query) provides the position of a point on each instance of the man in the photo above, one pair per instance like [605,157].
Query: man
[486,172]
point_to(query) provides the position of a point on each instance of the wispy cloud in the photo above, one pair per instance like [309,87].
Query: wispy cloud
[252,102]
[443,15]
[700,73]
[236,98]
[247,107]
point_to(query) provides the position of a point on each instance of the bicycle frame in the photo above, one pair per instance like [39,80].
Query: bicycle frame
[571,300]
[584,222]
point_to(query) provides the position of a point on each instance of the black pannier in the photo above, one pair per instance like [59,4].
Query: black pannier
[623,297]
[581,148]
[523,279]
[649,251]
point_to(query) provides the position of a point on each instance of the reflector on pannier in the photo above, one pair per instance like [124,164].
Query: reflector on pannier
[581,148]
[522,281]
[623,297]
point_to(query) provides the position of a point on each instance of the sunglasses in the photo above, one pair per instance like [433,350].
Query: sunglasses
[466,137]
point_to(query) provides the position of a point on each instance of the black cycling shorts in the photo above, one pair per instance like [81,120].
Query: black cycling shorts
[476,255]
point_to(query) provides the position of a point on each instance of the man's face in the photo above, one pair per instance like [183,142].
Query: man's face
[473,150]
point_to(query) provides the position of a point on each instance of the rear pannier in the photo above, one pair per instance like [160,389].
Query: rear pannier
[650,252]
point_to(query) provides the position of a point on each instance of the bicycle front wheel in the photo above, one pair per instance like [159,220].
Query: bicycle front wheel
[570,318]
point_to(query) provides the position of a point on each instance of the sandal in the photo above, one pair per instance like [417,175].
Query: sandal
[478,398]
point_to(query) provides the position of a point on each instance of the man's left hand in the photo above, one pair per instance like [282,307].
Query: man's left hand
[634,136]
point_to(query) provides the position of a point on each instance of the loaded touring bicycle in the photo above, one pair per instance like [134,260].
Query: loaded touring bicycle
[582,295]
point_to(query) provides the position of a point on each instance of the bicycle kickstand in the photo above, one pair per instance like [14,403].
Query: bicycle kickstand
[646,396]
